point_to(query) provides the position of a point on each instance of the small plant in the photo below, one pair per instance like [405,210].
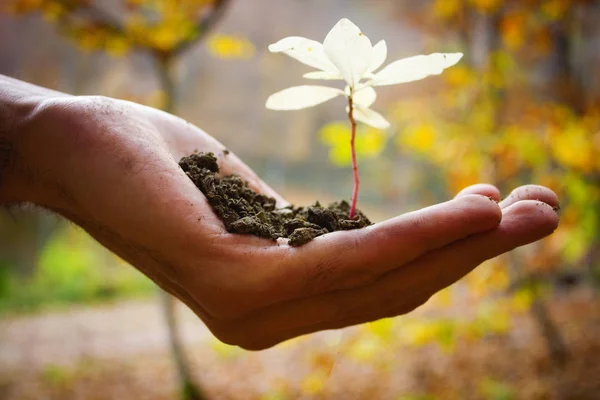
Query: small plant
[348,55]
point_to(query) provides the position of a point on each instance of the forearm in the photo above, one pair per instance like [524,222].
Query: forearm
[19,102]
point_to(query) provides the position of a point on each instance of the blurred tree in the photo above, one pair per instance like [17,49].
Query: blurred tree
[164,29]
[525,107]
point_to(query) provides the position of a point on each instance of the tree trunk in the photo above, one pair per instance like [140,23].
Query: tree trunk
[557,348]
[555,343]
[189,390]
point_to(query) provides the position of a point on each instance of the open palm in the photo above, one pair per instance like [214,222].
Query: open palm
[111,167]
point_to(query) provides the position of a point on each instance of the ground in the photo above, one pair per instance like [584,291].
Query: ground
[120,351]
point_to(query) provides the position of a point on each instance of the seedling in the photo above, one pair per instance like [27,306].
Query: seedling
[346,54]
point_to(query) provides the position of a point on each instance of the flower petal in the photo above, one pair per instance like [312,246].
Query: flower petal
[324,75]
[415,68]
[309,52]
[349,50]
[370,117]
[365,97]
[299,97]
[379,56]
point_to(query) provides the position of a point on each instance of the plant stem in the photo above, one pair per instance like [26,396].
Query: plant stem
[354,162]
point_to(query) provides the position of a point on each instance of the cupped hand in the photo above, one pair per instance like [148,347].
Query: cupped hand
[112,167]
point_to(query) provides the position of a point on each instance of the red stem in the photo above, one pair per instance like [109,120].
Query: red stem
[354,163]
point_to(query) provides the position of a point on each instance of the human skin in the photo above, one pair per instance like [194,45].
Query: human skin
[111,167]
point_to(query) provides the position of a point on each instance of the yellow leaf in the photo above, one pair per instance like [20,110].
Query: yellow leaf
[335,133]
[460,176]
[493,319]
[52,11]
[340,156]
[323,361]
[117,46]
[418,333]
[88,42]
[419,138]
[522,300]
[230,47]
[224,350]
[446,9]
[486,6]
[513,30]
[443,298]
[383,328]
[555,9]
[370,142]
[366,348]
[164,38]
[314,384]
[24,6]
[459,76]
[157,99]
[571,147]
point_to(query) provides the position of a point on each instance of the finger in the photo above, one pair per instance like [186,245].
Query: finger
[270,281]
[402,290]
[531,192]
[483,189]
[524,222]
[346,259]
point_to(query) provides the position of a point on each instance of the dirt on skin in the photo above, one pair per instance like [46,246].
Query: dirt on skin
[245,211]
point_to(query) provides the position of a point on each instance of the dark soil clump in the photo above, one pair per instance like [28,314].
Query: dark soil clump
[245,211]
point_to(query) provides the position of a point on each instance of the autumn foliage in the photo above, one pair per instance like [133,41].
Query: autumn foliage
[525,110]
[523,107]
[160,25]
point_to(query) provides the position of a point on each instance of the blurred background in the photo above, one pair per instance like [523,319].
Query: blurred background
[523,106]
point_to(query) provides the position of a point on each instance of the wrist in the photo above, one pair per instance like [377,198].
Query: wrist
[14,116]
[20,172]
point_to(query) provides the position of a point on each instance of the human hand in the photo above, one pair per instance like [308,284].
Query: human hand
[111,167]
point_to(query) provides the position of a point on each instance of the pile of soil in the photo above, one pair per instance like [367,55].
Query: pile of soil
[245,211]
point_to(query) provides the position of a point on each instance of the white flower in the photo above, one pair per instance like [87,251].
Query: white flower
[347,54]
